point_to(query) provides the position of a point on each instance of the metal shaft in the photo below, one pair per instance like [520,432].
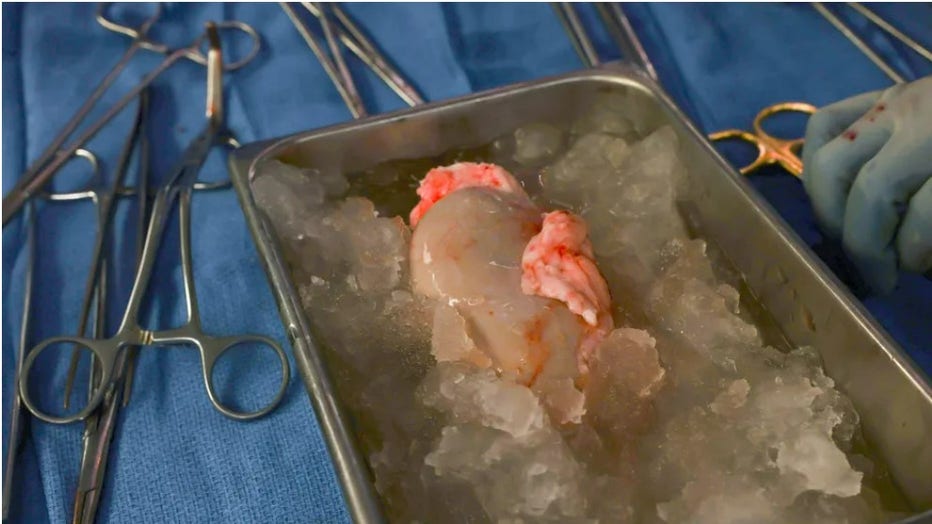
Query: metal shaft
[142,195]
[625,37]
[338,61]
[890,28]
[18,419]
[104,203]
[849,34]
[357,42]
[91,422]
[15,199]
[47,155]
[577,33]
[322,58]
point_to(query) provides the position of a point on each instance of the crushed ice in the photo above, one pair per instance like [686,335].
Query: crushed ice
[687,415]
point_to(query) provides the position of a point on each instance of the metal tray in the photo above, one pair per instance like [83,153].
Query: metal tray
[807,302]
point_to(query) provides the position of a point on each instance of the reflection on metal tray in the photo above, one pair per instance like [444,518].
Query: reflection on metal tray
[807,302]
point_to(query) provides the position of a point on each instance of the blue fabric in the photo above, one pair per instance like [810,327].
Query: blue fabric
[174,458]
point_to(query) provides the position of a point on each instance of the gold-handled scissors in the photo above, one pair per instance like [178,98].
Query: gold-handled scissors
[770,149]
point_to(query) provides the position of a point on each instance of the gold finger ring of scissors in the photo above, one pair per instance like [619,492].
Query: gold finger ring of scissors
[770,149]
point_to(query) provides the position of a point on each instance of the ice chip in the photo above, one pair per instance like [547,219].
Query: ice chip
[375,249]
[608,114]
[815,456]
[732,399]
[535,143]
[625,375]
[478,395]
[289,197]
[565,403]
[590,162]
[513,478]
[729,502]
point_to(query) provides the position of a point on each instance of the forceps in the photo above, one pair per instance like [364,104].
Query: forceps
[770,149]
[103,200]
[356,41]
[619,28]
[335,68]
[48,163]
[577,32]
[99,426]
[17,420]
[178,190]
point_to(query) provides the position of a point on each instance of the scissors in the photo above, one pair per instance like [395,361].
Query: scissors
[178,190]
[770,149]
[48,163]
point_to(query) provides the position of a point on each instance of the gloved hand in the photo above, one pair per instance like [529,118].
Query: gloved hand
[868,171]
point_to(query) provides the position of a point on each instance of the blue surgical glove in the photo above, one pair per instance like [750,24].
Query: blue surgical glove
[868,171]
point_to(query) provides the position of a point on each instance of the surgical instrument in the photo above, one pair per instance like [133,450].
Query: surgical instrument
[894,32]
[621,30]
[103,201]
[138,42]
[344,29]
[177,190]
[357,42]
[54,158]
[862,45]
[17,419]
[335,68]
[99,426]
[577,32]
[142,192]
[95,450]
[338,62]
[770,149]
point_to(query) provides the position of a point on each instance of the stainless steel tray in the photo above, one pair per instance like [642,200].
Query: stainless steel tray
[807,302]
